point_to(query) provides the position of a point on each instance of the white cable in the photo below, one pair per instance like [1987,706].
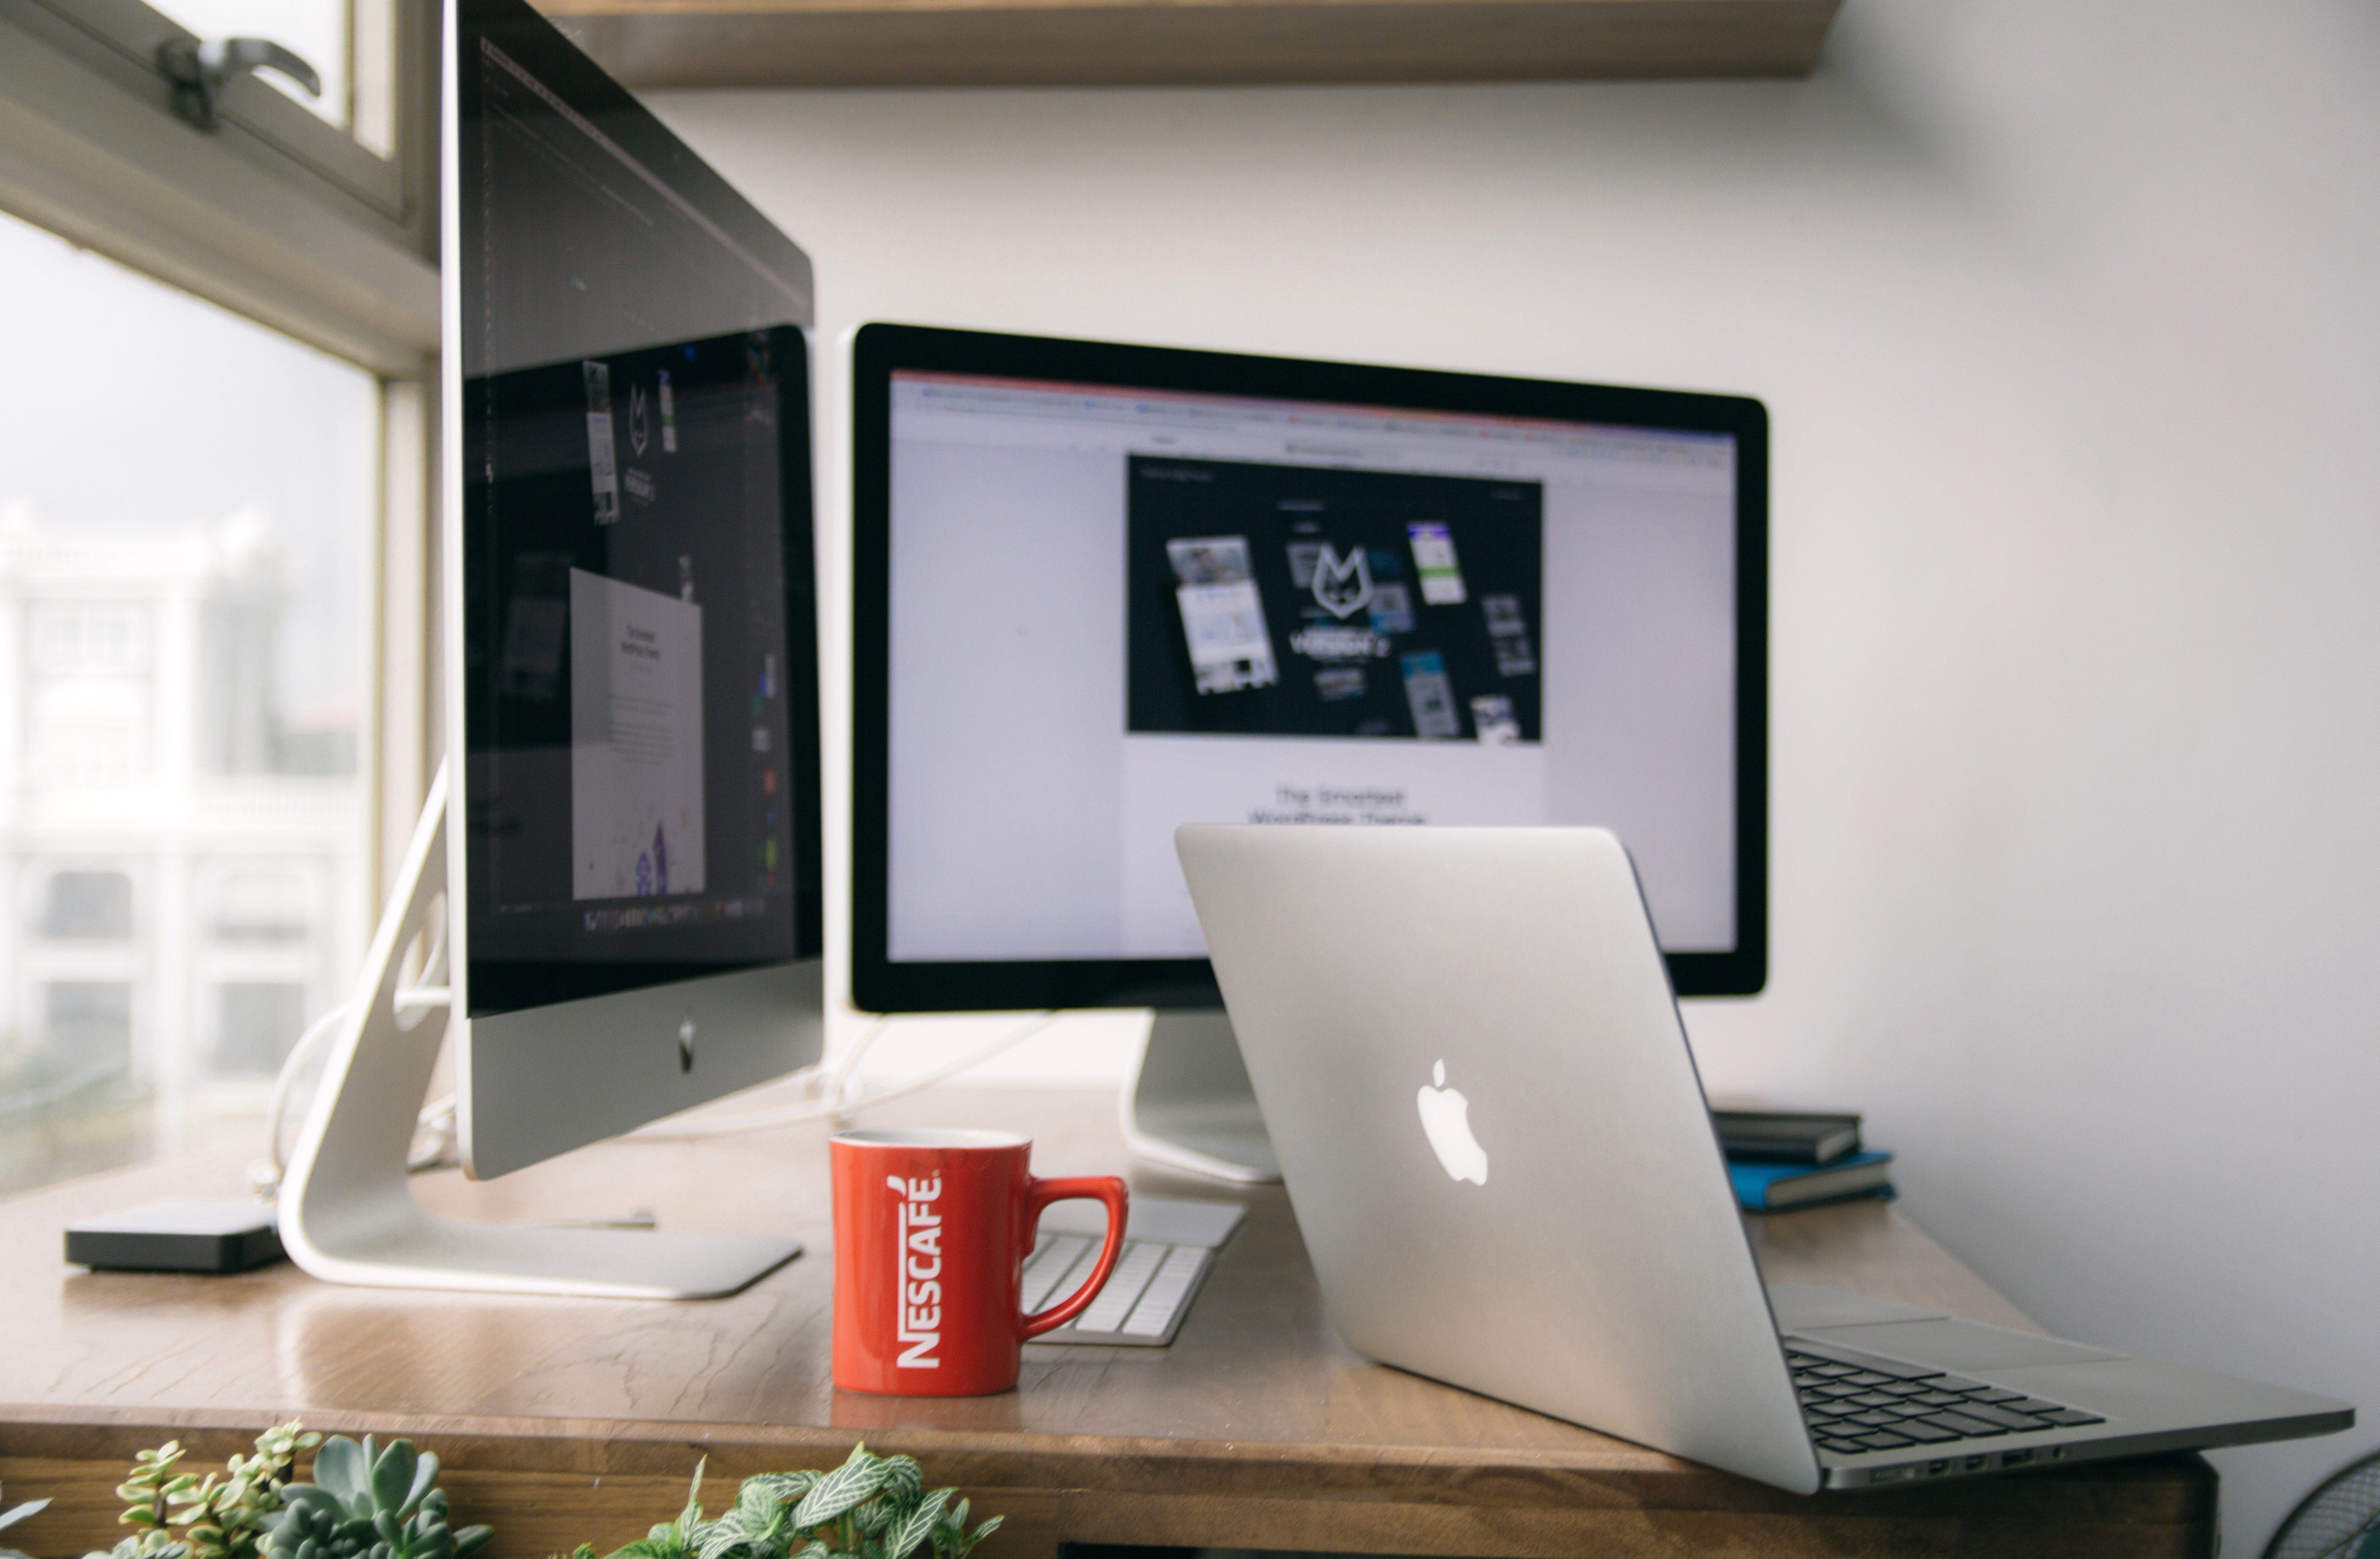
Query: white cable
[839,1090]
[264,1174]
[842,1110]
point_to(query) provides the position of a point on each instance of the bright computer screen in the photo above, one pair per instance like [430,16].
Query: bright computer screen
[636,585]
[1102,591]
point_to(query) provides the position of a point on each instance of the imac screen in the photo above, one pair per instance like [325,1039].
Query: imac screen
[1113,604]
[639,678]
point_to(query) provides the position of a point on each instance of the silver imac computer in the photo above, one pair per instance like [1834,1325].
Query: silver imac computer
[1101,590]
[623,852]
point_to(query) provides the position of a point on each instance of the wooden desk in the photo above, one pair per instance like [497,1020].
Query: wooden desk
[562,1421]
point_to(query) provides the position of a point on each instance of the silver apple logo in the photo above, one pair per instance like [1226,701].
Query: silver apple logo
[1445,1120]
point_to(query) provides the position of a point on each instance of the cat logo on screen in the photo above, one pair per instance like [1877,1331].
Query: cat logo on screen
[918,1257]
[1344,585]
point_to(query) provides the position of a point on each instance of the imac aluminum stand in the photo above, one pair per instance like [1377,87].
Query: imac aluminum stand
[1189,1104]
[346,1214]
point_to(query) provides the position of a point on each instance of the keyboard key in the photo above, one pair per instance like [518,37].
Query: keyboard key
[1836,1391]
[1991,1413]
[1132,1270]
[1939,1398]
[1056,1260]
[2033,1405]
[1865,1377]
[1869,1364]
[1848,1447]
[1874,1420]
[1960,1423]
[1872,1400]
[2072,1417]
[1902,1388]
[1995,1394]
[1884,1440]
[1957,1382]
[1164,1297]
[1918,1429]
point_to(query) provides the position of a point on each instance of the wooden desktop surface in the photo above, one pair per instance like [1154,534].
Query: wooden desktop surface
[569,1420]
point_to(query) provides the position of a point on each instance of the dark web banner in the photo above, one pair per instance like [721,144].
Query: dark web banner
[1309,645]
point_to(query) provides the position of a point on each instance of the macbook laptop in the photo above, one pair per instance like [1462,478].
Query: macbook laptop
[1466,1049]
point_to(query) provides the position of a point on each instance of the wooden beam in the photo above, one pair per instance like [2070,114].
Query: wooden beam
[750,44]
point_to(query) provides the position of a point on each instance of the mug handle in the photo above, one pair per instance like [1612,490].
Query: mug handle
[1038,1194]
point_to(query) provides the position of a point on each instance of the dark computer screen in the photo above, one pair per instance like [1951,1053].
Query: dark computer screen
[1104,590]
[639,618]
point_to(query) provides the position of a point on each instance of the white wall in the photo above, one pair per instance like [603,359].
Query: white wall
[2067,315]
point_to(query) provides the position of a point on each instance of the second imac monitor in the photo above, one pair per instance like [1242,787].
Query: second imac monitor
[1104,590]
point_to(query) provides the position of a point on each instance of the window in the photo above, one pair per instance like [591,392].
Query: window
[87,1025]
[88,906]
[348,139]
[261,907]
[257,1024]
[195,686]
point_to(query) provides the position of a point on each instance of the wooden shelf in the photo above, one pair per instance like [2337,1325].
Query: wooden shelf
[694,43]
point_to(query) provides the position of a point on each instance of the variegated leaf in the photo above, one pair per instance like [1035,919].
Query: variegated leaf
[854,1480]
[904,1479]
[915,1527]
[765,1490]
[722,1538]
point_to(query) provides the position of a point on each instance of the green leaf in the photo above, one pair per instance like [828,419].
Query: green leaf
[391,1479]
[768,1490]
[723,1536]
[30,1508]
[903,1479]
[903,1537]
[657,1546]
[856,1479]
[313,1497]
[693,1511]
[425,1477]
[470,1539]
[341,1472]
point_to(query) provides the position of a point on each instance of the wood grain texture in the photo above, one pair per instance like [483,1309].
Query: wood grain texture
[696,43]
[564,1420]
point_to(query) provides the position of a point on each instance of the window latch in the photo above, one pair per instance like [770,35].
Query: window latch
[197,71]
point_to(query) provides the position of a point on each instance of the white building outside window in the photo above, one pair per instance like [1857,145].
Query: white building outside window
[186,519]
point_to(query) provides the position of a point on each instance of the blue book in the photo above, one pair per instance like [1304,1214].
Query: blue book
[1766,1188]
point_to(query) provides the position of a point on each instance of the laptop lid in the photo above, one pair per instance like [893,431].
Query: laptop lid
[1467,1050]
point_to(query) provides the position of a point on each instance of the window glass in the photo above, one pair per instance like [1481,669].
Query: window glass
[185,521]
[88,906]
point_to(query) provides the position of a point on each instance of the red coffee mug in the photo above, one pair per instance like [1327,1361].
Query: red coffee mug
[931,1229]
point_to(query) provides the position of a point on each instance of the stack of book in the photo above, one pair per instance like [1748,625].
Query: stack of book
[1780,1160]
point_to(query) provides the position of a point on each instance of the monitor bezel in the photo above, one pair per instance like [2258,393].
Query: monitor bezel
[878,984]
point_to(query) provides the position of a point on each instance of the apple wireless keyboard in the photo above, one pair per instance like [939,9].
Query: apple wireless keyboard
[1168,1248]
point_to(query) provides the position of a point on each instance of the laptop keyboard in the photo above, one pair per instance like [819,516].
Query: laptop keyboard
[1856,1403]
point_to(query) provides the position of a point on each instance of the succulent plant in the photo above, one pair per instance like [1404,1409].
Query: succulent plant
[224,1517]
[366,1502]
[231,1517]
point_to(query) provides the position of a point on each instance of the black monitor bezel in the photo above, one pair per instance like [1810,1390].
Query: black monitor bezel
[878,351]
